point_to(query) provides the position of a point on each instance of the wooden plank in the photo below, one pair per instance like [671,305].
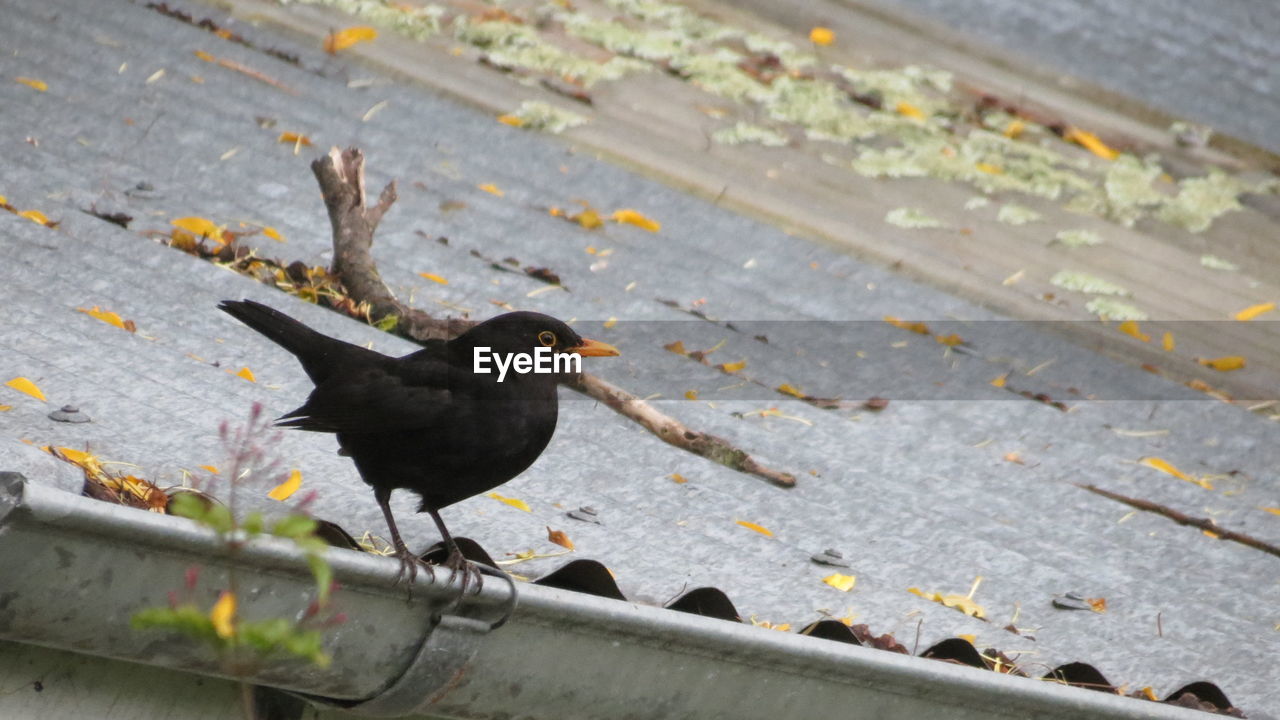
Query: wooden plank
[652,123]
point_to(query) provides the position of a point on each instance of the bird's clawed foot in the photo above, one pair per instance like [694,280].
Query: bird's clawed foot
[408,573]
[459,564]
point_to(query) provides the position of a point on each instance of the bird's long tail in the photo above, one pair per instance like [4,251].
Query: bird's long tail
[310,346]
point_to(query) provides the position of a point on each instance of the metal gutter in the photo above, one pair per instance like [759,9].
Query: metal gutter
[73,570]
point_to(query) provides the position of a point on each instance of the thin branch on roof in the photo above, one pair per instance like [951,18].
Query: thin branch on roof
[1205,524]
[341,178]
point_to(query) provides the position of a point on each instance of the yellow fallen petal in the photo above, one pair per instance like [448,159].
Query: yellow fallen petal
[491,189]
[433,277]
[288,487]
[822,36]
[634,217]
[758,528]
[690,394]
[513,502]
[294,138]
[964,604]
[223,614]
[789,389]
[24,385]
[610,322]
[733,367]
[589,219]
[1167,342]
[968,637]
[198,226]
[1090,142]
[906,109]
[679,479]
[211,468]
[343,39]
[915,327]
[76,457]
[1163,466]
[1254,311]
[35,216]
[32,83]
[205,56]
[843,583]
[1167,468]
[1014,129]
[951,340]
[273,233]
[5,408]
[1000,381]
[990,168]
[247,374]
[1130,328]
[1272,510]
[1223,364]
[105,316]
[512,120]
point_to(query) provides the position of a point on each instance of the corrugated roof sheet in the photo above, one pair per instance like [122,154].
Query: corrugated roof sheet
[922,494]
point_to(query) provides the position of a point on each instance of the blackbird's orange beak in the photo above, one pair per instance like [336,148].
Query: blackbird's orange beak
[594,348]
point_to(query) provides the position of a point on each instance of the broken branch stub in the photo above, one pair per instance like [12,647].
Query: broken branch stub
[341,178]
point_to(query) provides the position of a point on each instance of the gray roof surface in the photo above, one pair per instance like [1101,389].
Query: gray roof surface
[1217,67]
[919,495]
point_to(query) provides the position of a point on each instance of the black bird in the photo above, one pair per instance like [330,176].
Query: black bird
[428,422]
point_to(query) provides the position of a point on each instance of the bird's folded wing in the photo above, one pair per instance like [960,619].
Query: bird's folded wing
[374,401]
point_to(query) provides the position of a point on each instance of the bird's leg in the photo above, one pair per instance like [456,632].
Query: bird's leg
[456,561]
[408,561]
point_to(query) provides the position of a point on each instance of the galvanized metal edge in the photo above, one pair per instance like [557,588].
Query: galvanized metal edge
[73,570]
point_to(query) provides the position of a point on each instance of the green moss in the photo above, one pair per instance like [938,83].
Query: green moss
[535,115]
[821,108]
[1012,214]
[624,40]
[1086,283]
[1078,238]
[515,45]
[419,23]
[1213,262]
[745,132]
[718,73]
[785,51]
[1201,200]
[932,152]
[1111,309]
[910,84]
[912,218]
[1129,193]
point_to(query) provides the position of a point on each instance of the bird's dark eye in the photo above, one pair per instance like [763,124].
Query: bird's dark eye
[546,337]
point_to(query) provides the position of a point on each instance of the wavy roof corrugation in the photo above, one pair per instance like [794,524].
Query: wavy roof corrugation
[917,495]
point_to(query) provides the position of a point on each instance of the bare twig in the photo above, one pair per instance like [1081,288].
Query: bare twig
[1183,519]
[677,433]
[341,178]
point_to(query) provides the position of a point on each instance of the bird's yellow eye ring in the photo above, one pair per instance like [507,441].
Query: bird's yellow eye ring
[547,338]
